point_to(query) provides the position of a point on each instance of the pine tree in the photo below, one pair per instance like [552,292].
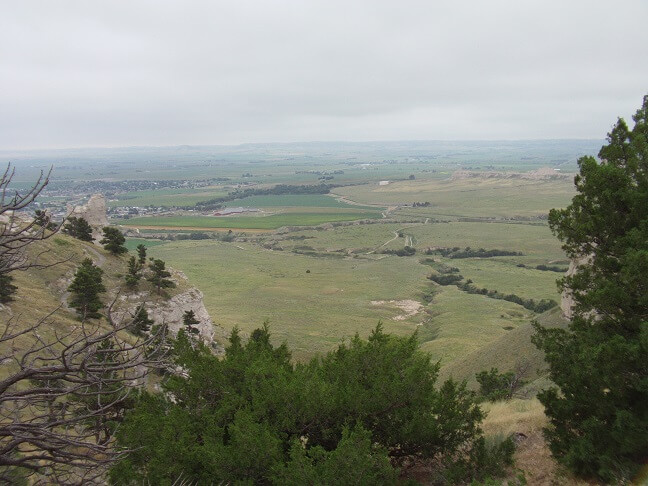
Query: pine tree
[113,240]
[190,322]
[141,254]
[85,289]
[141,322]
[599,410]
[134,273]
[159,277]
[7,289]
[78,228]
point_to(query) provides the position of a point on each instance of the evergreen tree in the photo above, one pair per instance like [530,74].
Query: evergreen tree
[113,240]
[190,322]
[134,273]
[78,228]
[85,288]
[254,417]
[141,322]
[599,409]
[41,218]
[7,288]
[141,253]
[159,276]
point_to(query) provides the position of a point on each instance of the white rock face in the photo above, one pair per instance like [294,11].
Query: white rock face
[172,310]
[94,212]
[567,299]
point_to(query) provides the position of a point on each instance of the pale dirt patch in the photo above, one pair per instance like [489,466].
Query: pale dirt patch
[409,307]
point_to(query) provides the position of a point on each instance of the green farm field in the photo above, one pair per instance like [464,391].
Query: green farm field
[297,200]
[273,221]
[324,283]
[167,197]
[467,197]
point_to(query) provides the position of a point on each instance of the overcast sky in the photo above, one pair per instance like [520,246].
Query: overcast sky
[116,73]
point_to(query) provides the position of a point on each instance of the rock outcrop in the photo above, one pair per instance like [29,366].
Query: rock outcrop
[94,212]
[567,299]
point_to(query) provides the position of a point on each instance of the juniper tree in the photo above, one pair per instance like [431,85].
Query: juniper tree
[599,406]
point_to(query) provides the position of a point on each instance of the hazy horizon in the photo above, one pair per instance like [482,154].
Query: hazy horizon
[123,74]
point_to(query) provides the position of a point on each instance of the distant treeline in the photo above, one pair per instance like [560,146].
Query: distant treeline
[545,268]
[278,190]
[468,287]
[405,251]
[468,252]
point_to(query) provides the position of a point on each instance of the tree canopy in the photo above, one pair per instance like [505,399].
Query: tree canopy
[599,407]
[346,418]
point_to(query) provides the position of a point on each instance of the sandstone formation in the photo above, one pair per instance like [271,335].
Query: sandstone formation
[94,212]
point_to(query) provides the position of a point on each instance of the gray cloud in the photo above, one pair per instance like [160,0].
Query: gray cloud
[83,73]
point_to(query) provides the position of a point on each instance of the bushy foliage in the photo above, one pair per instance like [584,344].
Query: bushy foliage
[141,322]
[405,251]
[599,406]
[113,241]
[446,279]
[141,254]
[160,275]
[78,228]
[133,274]
[468,252]
[85,289]
[494,386]
[7,288]
[254,417]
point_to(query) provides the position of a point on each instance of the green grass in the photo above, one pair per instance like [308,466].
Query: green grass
[131,243]
[466,198]
[244,285]
[255,222]
[505,352]
[167,197]
[295,200]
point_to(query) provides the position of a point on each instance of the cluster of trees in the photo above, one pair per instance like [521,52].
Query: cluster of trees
[456,279]
[63,390]
[545,268]
[538,306]
[350,417]
[405,251]
[279,189]
[468,252]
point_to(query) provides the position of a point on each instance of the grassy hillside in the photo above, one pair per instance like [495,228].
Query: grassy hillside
[504,352]
[43,291]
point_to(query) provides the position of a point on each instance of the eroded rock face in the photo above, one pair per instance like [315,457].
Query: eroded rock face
[94,212]
[171,312]
[567,299]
